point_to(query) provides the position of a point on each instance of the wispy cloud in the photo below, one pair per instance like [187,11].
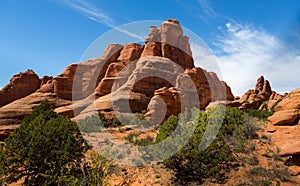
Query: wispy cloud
[95,14]
[245,52]
[90,11]
[211,13]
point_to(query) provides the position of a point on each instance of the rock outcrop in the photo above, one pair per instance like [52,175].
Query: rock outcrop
[12,114]
[262,97]
[134,78]
[287,112]
[20,85]
[168,41]
[284,129]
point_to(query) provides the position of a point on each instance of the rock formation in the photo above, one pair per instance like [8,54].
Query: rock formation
[284,128]
[20,85]
[130,78]
[262,97]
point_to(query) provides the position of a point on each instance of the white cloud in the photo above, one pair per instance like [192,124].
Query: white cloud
[245,52]
[93,13]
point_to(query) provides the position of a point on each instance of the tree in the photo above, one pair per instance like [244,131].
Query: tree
[45,150]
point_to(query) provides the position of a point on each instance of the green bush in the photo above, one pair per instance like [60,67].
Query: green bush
[42,149]
[261,114]
[92,124]
[47,149]
[192,165]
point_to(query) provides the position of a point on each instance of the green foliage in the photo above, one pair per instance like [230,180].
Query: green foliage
[96,123]
[261,114]
[91,124]
[266,182]
[191,164]
[167,128]
[239,128]
[272,174]
[103,120]
[42,148]
[137,119]
[47,149]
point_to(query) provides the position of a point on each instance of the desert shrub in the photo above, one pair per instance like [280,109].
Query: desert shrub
[273,174]
[137,119]
[266,182]
[240,128]
[47,149]
[97,170]
[42,149]
[91,124]
[97,122]
[190,163]
[261,114]
[253,160]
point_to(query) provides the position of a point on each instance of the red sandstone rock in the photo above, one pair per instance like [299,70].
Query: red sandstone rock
[130,78]
[20,85]
[288,110]
[131,52]
[152,49]
[12,114]
[194,84]
[291,149]
[63,83]
[259,97]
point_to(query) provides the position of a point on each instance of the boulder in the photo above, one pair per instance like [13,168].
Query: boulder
[194,88]
[287,111]
[165,102]
[294,170]
[47,84]
[285,117]
[291,149]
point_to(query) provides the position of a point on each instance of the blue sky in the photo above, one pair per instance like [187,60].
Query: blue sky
[248,38]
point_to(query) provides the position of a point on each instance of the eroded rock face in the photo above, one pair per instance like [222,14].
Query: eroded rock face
[164,103]
[141,84]
[47,84]
[20,85]
[168,41]
[131,52]
[194,88]
[63,83]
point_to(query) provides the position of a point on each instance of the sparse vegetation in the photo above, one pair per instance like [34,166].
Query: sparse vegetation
[190,164]
[53,152]
[47,149]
